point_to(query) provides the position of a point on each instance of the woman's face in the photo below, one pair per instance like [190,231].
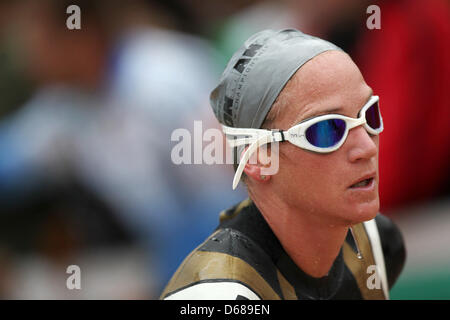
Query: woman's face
[322,185]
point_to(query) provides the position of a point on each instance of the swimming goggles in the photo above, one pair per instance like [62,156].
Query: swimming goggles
[323,134]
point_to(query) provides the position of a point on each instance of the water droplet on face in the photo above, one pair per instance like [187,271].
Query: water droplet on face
[359,256]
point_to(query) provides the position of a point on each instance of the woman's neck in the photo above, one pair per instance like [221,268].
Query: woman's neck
[312,243]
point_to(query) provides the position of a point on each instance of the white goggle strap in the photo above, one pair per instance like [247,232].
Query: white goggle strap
[255,138]
[264,139]
[250,135]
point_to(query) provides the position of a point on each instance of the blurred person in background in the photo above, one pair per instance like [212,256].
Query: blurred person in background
[44,210]
[107,99]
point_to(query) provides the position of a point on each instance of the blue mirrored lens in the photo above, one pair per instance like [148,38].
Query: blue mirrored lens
[373,116]
[326,133]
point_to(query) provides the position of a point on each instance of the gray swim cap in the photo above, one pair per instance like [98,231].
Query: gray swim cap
[258,71]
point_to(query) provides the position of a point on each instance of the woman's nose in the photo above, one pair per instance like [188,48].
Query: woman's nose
[361,144]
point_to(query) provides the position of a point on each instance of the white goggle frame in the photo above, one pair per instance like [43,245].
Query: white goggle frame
[295,135]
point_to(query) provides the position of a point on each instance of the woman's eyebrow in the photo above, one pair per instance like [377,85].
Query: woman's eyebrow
[337,110]
[319,113]
[328,111]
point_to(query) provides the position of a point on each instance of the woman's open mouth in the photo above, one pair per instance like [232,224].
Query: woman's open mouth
[363,183]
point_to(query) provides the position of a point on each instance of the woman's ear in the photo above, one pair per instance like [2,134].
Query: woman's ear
[254,171]
[254,166]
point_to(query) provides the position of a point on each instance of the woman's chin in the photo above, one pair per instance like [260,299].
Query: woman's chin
[363,211]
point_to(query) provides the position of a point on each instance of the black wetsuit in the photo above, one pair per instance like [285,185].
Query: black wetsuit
[243,259]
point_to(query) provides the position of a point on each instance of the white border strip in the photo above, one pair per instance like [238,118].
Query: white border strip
[374,237]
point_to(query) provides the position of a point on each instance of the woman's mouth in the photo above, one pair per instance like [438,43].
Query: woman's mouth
[363,183]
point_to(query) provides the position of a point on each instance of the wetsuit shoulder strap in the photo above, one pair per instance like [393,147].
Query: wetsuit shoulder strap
[217,275]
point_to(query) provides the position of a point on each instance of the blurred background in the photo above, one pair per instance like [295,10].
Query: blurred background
[86,118]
